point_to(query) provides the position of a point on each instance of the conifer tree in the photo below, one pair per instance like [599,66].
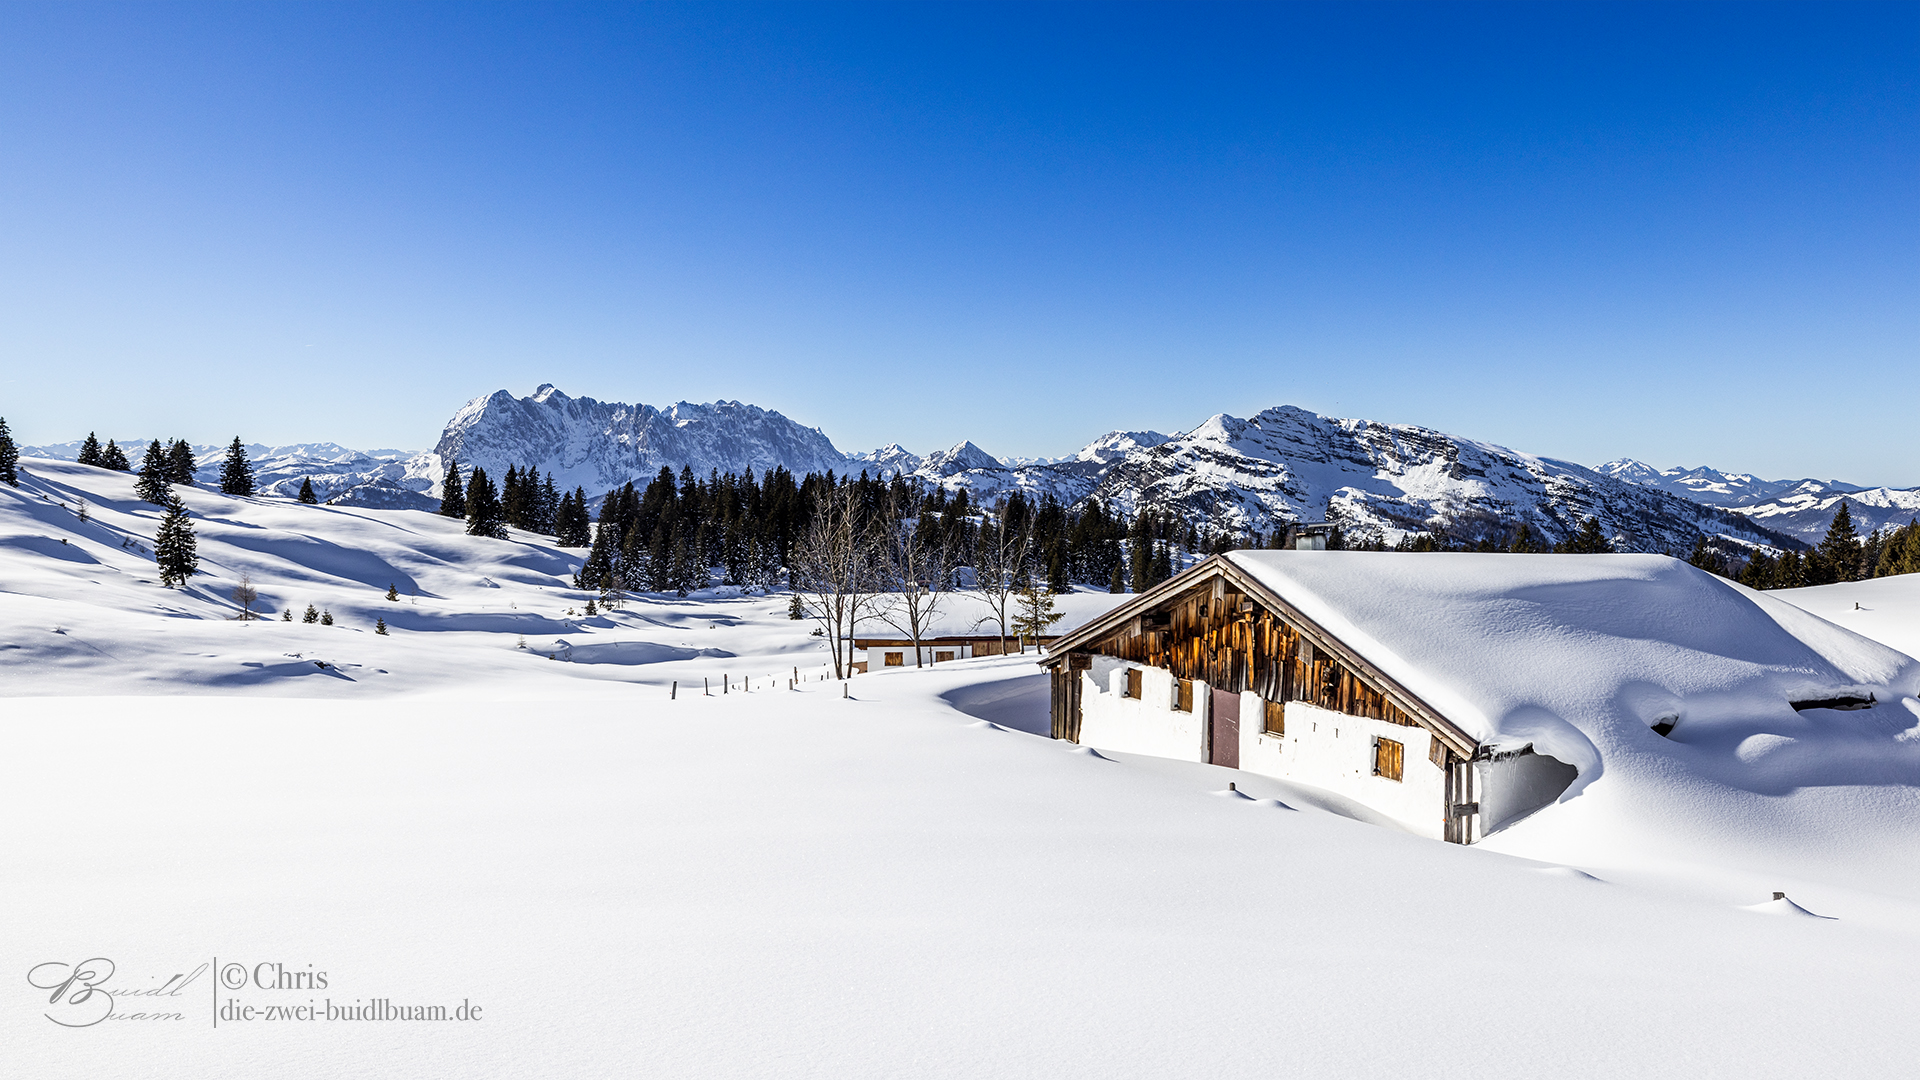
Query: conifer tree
[1162,563]
[380,626]
[1590,540]
[571,526]
[599,561]
[393,594]
[312,615]
[1759,571]
[453,499]
[152,485]
[1118,583]
[306,491]
[326,618]
[484,514]
[9,457]
[180,463]
[174,548]
[1036,613]
[1901,555]
[236,474]
[287,615]
[1140,552]
[89,451]
[1839,551]
[115,458]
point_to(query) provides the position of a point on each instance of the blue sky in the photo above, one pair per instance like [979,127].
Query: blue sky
[1688,234]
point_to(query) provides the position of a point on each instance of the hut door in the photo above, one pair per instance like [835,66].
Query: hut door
[1223,729]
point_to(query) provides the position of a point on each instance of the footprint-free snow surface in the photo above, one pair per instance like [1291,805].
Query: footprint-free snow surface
[643,848]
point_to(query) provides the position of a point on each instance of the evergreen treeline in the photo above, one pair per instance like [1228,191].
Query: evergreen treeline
[1842,555]
[9,457]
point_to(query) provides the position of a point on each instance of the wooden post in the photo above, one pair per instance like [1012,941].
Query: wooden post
[706,686]
[843,691]
[674,694]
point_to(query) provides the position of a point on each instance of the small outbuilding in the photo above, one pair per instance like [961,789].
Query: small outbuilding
[1454,693]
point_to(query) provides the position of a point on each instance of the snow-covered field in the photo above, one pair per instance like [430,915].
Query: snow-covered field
[788,882]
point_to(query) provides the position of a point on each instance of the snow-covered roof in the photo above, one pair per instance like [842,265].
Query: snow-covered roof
[1581,655]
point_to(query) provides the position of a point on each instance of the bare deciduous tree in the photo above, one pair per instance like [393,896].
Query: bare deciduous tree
[244,595]
[834,571]
[918,567]
[999,558]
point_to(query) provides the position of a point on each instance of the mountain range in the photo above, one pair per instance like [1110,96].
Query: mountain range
[1281,465]
[1799,508]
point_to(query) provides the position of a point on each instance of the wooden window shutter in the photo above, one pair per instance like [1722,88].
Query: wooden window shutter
[1184,701]
[1389,758]
[1133,683]
[896,659]
[1276,718]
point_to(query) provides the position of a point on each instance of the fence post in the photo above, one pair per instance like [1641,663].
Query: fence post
[674,694]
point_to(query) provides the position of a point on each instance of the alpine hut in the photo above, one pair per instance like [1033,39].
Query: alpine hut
[1454,693]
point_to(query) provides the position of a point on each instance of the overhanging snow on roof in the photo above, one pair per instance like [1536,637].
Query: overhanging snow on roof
[1577,654]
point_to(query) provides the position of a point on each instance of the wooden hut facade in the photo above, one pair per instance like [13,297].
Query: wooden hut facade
[1214,666]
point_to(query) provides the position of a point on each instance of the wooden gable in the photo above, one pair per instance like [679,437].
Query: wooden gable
[1217,624]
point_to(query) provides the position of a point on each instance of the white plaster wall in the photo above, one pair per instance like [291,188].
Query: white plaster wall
[1147,725]
[1334,751]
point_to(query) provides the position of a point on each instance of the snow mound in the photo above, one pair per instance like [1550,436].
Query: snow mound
[1780,905]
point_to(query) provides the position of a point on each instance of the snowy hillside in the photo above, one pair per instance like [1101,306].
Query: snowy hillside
[789,881]
[895,881]
[1798,508]
[278,470]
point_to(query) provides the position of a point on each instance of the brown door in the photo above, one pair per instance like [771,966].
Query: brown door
[1223,729]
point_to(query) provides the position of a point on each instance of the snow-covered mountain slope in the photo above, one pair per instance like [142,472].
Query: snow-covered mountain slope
[890,460]
[602,445]
[899,882]
[1383,480]
[1806,513]
[1798,508]
[1115,445]
[279,470]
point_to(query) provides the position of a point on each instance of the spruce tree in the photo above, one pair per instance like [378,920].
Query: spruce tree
[393,594]
[1901,554]
[9,457]
[311,615]
[599,561]
[236,475]
[1036,614]
[115,458]
[174,548]
[453,499]
[1590,540]
[1839,551]
[1759,571]
[1140,552]
[1162,563]
[306,491]
[152,485]
[380,626]
[287,615]
[326,618]
[180,463]
[89,451]
[1118,584]
[484,514]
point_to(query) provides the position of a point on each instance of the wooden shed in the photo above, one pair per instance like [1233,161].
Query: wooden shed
[1213,665]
